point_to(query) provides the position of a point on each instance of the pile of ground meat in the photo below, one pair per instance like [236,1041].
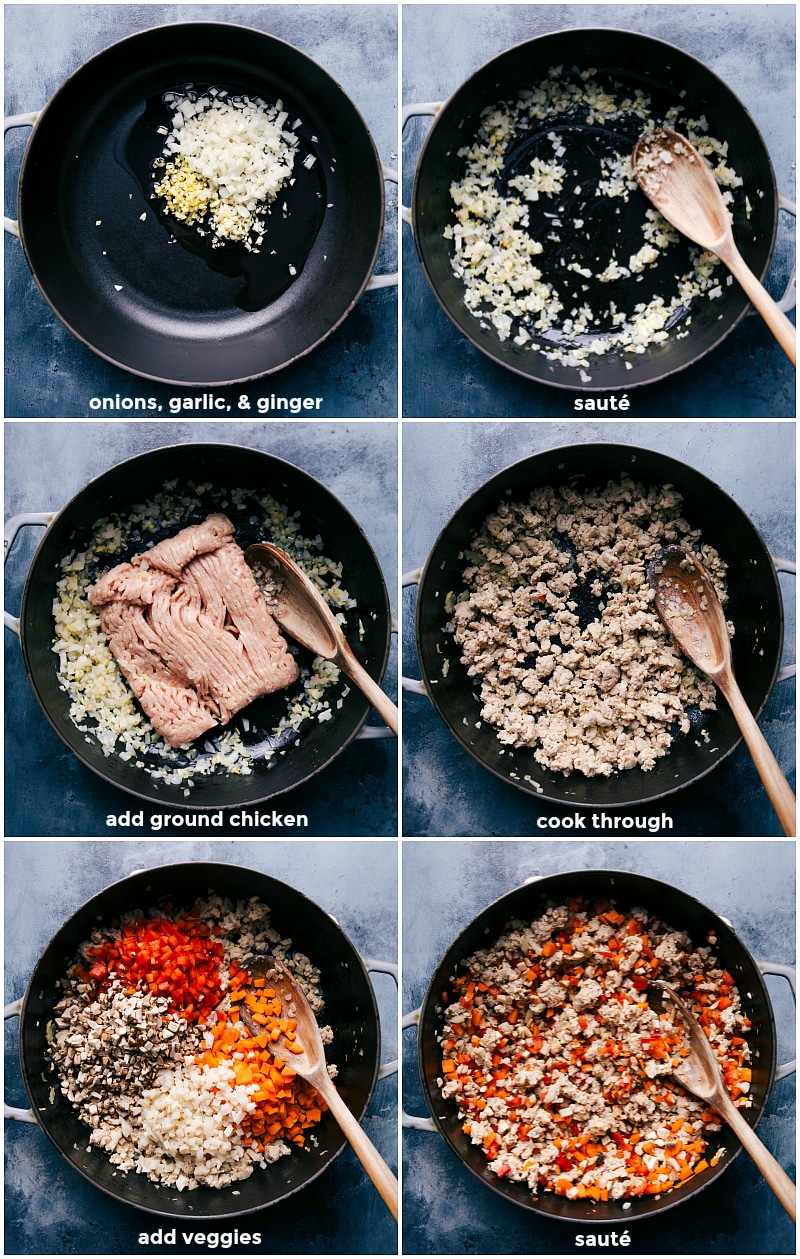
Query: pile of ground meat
[560,1069]
[559,625]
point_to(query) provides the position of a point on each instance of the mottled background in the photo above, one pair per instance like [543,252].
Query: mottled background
[49,1208]
[447,884]
[752,48]
[445,791]
[49,373]
[48,791]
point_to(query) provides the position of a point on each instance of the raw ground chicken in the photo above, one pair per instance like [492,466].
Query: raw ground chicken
[102,704]
[594,693]
[191,632]
[560,1070]
[149,1046]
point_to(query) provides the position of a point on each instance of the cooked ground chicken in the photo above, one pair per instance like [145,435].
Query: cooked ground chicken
[190,630]
[562,1072]
[134,1063]
[558,622]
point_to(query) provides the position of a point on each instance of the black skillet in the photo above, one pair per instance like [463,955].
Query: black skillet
[670,77]
[182,312]
[681,912]
[320,513]
[754,606]
[350,1008]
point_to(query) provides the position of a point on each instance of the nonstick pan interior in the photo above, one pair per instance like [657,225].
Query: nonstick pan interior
[670,77]
[154,307]
[681,912]
[229,467]
[350,1008]
[754,607]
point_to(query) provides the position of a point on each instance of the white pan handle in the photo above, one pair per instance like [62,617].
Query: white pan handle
[789,299]
[430,109]
[384,968]
[13,1011]
[785,566]
[413,685]
[379,732]
[415,1121]
[788,973]
[390,279]
[10,531]
[16,120]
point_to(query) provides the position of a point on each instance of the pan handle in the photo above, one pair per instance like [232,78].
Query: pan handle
[10,531]
[413,578]
[379,732]
[788,973]
[13,1011]
[415,1121]
[785,566]
[390,279]
[16,120]
[384,968]
[789,299]
[430,109]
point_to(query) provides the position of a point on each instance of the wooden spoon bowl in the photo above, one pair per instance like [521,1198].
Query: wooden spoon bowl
[681,185]
[700,1075]
[306,1057]
[689,606]
[301,611]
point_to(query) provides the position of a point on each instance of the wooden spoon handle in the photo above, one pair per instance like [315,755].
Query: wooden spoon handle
[379,1173]
[355,670]
[769,771]
[781,328]
[770,1168]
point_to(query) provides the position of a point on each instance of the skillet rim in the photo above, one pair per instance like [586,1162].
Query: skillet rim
[588,387]
[109,358]
[213,867]
[433,691]
[427,1016]
[77,749]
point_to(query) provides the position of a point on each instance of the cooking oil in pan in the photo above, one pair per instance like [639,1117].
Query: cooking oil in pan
[582,230]
[292,221]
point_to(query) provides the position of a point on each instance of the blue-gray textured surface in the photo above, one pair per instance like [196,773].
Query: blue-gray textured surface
[445,886]
[751,47]
[49,1209]
[49,373]
[445,791]
[48,791]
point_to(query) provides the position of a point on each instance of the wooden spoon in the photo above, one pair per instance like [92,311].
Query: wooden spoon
[699,1073]
[680,183]
[310,1064]
[688,605]
[304,614]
